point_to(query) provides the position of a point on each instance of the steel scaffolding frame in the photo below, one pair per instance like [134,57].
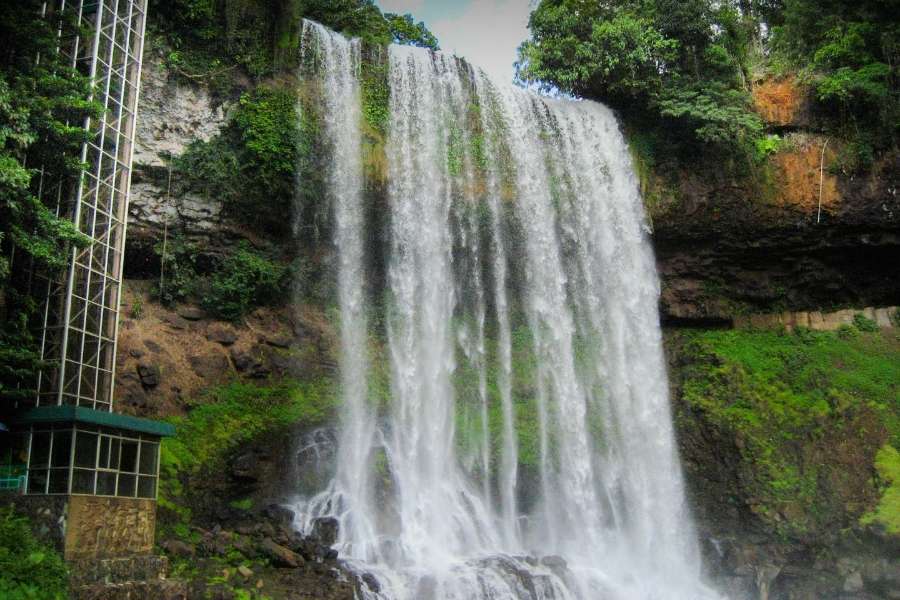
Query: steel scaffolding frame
[81,311]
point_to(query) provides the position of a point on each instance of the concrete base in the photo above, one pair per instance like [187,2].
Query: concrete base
[92,527]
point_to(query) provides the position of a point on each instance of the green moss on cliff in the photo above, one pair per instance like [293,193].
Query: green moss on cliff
[251,166]
[887,513]
[806,411]
[228,416]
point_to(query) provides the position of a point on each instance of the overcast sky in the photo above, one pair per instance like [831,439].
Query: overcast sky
[487,32]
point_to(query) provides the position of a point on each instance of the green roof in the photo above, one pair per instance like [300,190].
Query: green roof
[80,414]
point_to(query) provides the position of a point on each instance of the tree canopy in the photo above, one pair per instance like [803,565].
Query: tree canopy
[43,105]
[686,66]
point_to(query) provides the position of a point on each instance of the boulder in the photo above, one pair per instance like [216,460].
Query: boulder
[149,374]
[279,555]
[244,572]
[175,322]
[246,467]
[325,530]
[279,340]
[211,366]
[221,334]
[853,583]
[191,313]
[250,362]
[178,548]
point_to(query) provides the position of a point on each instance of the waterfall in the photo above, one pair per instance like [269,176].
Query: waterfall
[520,291]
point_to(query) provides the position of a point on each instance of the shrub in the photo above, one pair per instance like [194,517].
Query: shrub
[864,323]
[178,277]
[245,279]
[29,570]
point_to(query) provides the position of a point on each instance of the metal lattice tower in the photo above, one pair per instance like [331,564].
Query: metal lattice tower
[81,313]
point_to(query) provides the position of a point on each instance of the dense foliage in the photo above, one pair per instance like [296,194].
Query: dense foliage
[42,106]
[209,38]
[241,281]
[786,400]
[245,280]
[250,166]
[683,69]
[849,52]
[29,570]
[679,64]
[227,417]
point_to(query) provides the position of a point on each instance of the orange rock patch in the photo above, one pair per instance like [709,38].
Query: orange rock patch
[803,177]
[778,101]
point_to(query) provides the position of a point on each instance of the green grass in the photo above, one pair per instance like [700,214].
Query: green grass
[787,399]
[29,569]
[887,513]
[226,417]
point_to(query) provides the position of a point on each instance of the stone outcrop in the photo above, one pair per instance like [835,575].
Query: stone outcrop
[166,360]
[173,114]
[722,250]
[882,318]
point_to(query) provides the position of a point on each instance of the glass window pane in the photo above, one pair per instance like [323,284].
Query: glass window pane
[126,485]
[62,448]
[149,454]
[128,460]
[37,482]
[83,482]
[85,449]
[103,462]
[59,481]
[114,445]
[106,483]
[40,449]
[147,487]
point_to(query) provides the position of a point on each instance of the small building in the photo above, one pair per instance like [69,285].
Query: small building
[90,476]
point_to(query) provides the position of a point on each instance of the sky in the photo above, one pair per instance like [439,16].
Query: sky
[486,32]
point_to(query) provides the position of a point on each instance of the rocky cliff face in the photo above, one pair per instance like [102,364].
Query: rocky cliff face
[807,237]
[724,252]
[173,113]
[811,239]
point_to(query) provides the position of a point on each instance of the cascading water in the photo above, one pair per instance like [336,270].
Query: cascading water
[515,232]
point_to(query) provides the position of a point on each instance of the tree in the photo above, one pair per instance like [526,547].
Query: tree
[406,31]
[677,64]
[43,105]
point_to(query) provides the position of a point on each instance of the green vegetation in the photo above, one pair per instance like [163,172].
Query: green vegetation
[208,39]
[848,52]
[38,149]
[405,30]
[676,67]
[681,71]
[251,165]
[787,399]
[178,281]
[243,281]
[29,570]
[225,418]
[887,513]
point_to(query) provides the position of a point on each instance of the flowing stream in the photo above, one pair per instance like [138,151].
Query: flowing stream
[526,448]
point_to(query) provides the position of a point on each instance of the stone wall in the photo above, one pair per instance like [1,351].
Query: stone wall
[818,320]
[92,527]
[101,527]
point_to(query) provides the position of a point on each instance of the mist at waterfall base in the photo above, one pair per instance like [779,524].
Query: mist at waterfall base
[507,210]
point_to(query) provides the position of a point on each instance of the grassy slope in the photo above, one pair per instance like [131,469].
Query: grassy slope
[807,412]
